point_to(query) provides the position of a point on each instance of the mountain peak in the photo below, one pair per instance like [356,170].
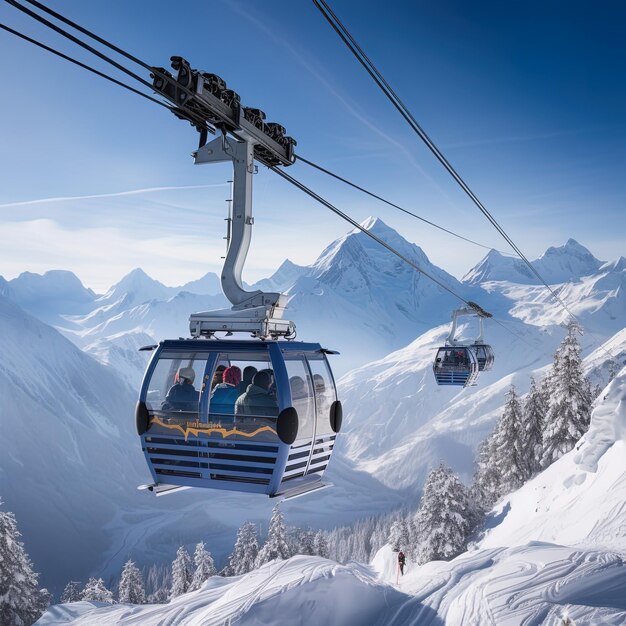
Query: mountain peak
[496,266]
[376,226]
[567,262]
[138,287]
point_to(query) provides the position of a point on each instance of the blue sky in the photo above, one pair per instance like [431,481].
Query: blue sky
[526,100]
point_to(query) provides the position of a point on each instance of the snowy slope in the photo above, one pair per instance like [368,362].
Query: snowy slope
[537,584]
[580,500]
[302,590]
[399,423]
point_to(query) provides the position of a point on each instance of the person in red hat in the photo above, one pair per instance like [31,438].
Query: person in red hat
[224,395]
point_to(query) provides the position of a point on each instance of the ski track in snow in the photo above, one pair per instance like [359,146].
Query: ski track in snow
[534,584]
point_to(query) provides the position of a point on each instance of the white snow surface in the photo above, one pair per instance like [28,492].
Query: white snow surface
[301,590]
[580,500]
[534,584]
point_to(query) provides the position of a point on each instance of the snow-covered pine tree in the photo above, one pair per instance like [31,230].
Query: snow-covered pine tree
[244,555]
[569,410]
[534,414]
[182,573]
[205,567]
[506,446]
[320,544]
[21,600]
[72,592]
[399,535]
[131,588]
[307,542]
[442,516]
[158,583]
[485,489]
[96,591]
[275,546]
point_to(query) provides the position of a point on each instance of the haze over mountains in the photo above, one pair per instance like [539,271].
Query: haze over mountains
[385,318]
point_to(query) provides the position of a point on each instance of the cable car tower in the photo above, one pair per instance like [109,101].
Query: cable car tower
[265,416]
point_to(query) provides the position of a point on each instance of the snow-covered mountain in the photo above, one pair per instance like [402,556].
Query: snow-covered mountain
[283,278]
[49,296]
[208,285]
[496,266]
[65,447]
[556,265]
[362,300]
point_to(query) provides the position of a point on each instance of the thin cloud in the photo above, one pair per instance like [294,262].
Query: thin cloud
[117,194]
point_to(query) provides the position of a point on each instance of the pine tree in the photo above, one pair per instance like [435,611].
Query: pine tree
[569,409]
[205,567]
[275,546]
[182,573]
[320,544]
[131,589]
[71,593]
[304,542]
[21,600]
[442,516]
[399,535]
[534,414]
[158,583]
[485,489]
[614,369]
[244,555]
[95,591]
[507,445]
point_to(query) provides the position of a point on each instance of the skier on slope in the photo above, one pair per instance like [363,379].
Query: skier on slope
[401,561]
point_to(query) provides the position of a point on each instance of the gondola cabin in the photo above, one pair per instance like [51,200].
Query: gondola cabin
[253,416]
[484,356]
[456,365]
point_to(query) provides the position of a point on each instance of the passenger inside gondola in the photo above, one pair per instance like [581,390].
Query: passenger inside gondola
[257,401]
[225,394]
[182,395]
[218,376]
[246,380]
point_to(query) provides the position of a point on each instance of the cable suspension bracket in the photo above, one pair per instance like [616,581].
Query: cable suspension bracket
[244,136]
[472,309]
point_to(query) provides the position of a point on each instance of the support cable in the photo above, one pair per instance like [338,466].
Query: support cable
[83,30]
[189,116]
[390,248]
[395,206]
[92,35]
[366,62]
[84,66]
[79,42]
[154,70]
[208,127]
